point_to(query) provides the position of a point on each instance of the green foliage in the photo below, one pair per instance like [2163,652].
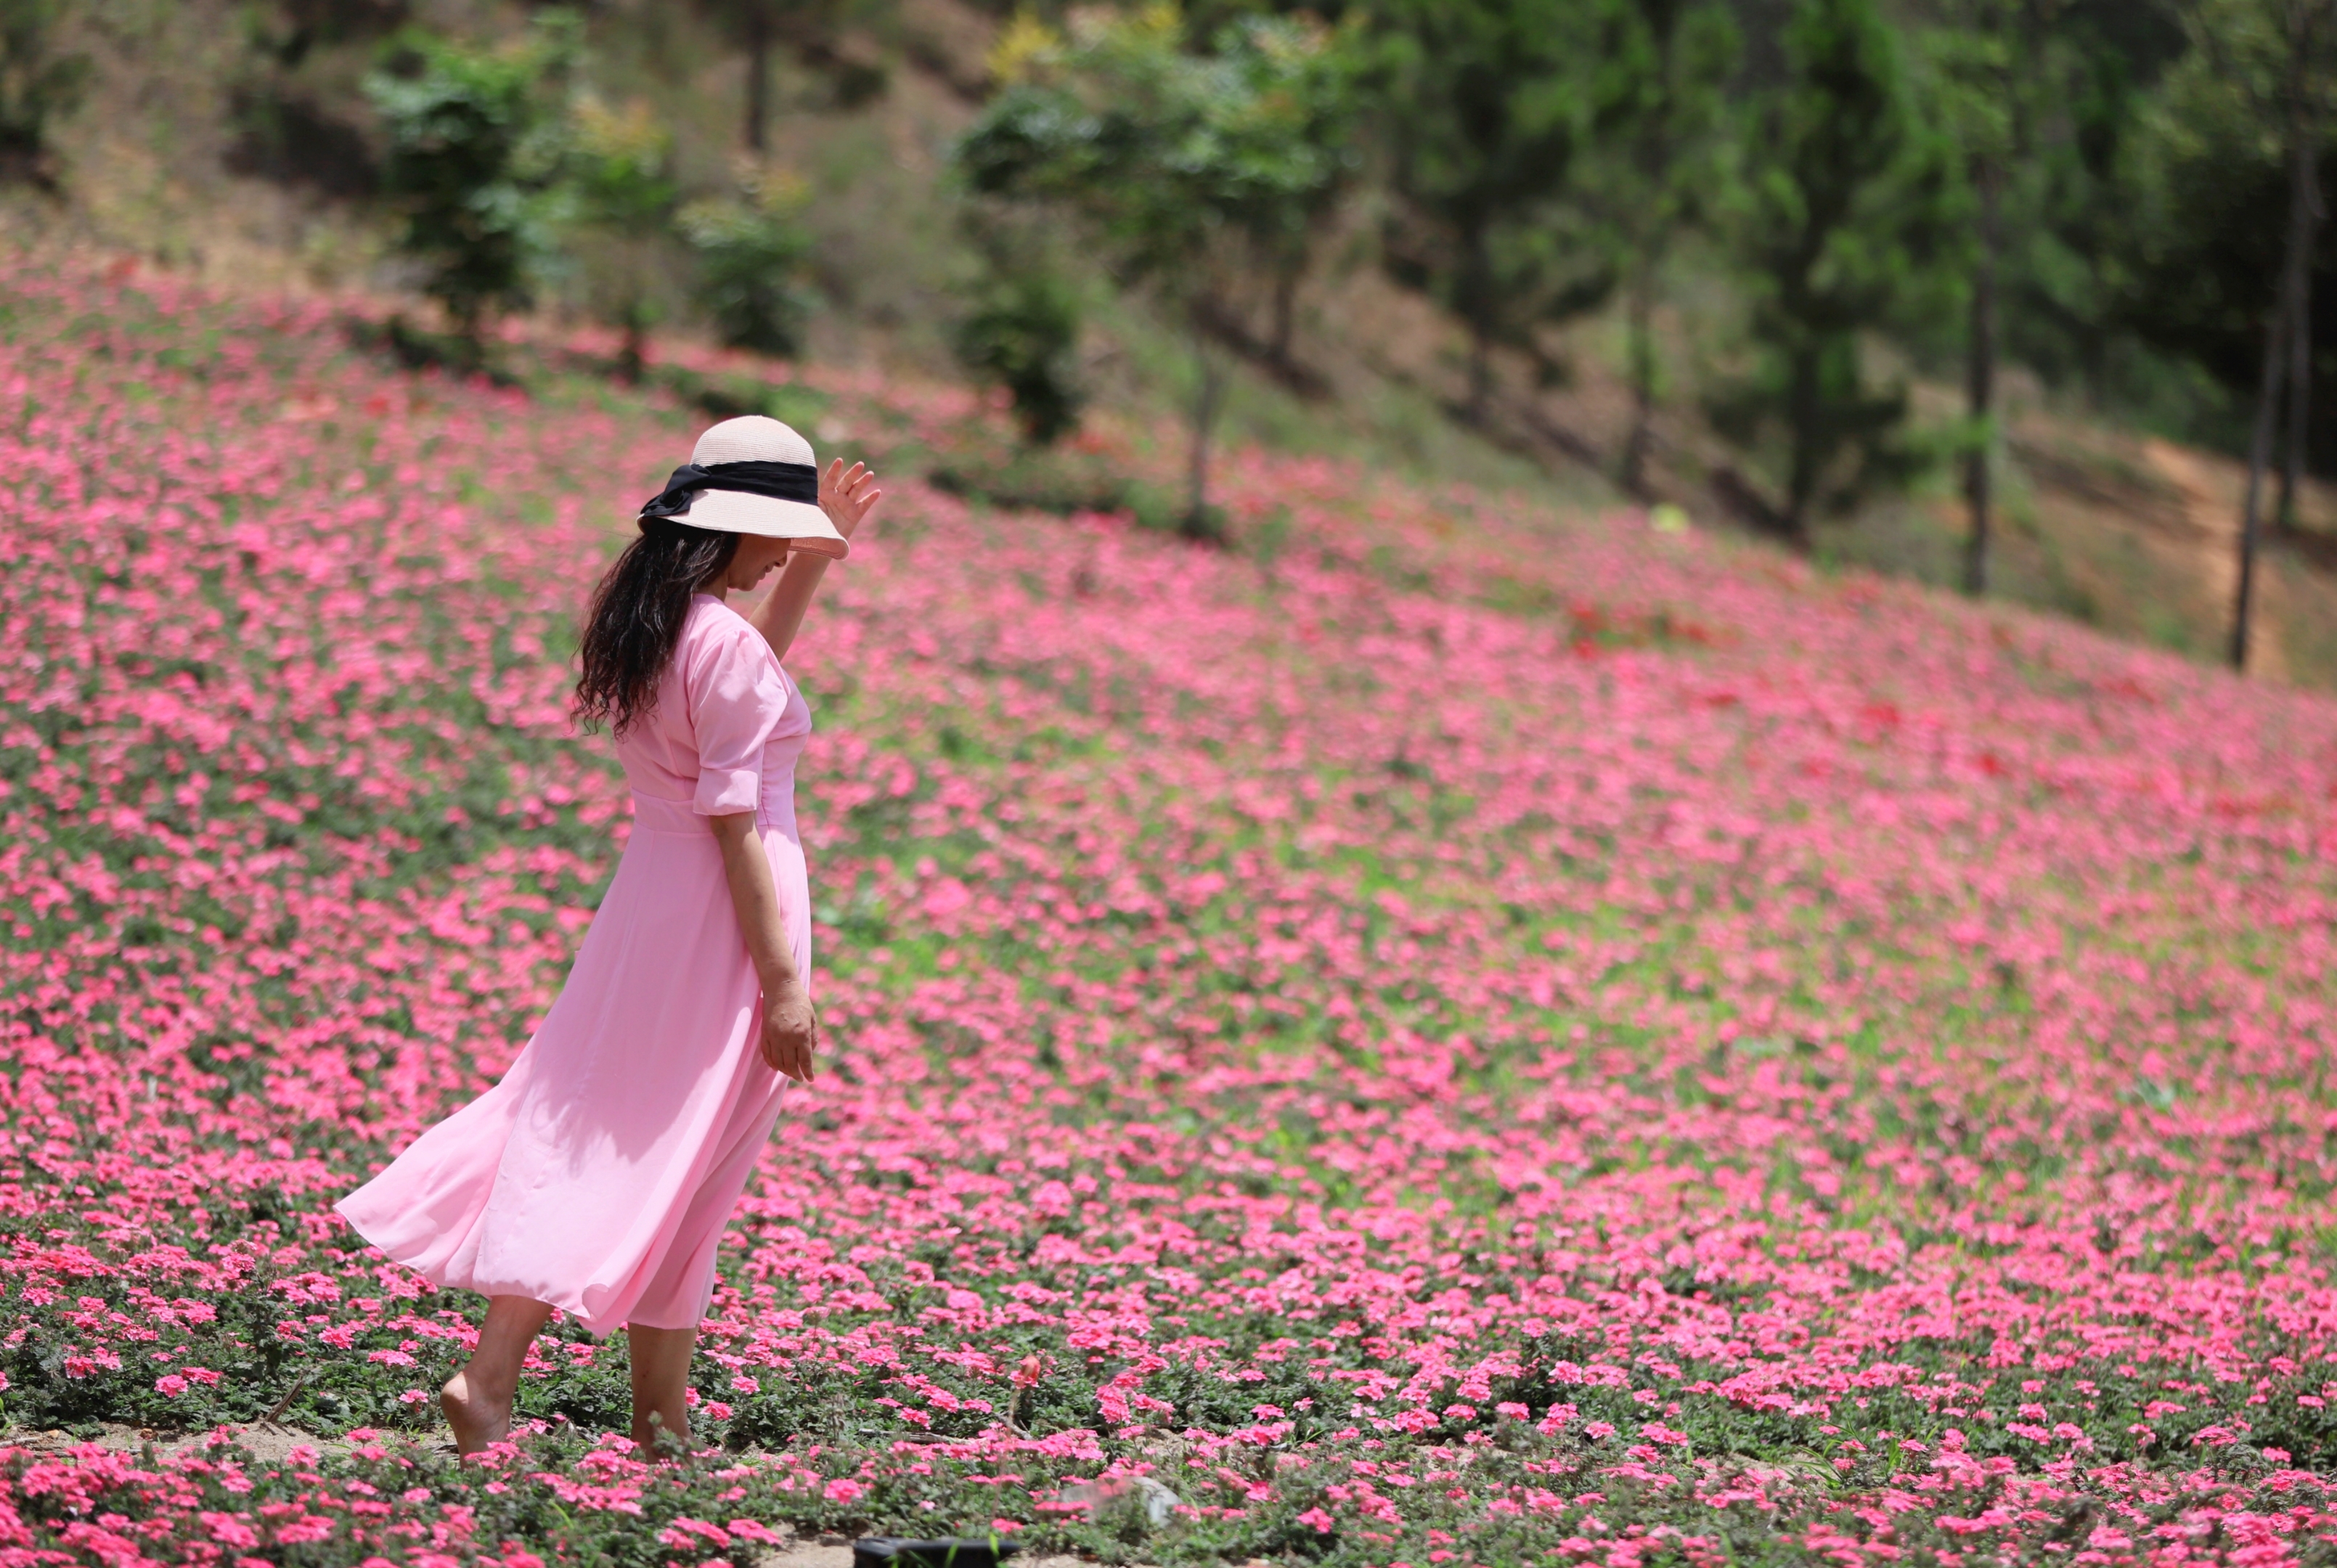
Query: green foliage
[623,193]
[1168,154]
[2070,246]
[477,140]
[1485,110]
[1843,202]
[2204,198]
[38,84]
[620,162]
[1661,121]
[1022,336]
[1189,169]
[751,248]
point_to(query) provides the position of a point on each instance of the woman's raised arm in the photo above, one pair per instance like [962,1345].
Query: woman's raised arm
[847,498]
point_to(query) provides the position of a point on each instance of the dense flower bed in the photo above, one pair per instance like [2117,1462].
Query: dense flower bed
[1439,1036]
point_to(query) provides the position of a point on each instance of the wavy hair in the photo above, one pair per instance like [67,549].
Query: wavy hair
[636,615]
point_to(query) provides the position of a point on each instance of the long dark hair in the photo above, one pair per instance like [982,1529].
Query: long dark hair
[636,617]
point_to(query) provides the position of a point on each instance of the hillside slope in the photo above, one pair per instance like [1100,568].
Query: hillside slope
[1445,1034]
[201,148]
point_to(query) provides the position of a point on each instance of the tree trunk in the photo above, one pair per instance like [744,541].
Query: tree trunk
[2259,455]
[2293,283]
[758,74]
[1641,308]
[1474,304]
[1980,385]
[2300,338]
[1285,312]
[1208,395]
[1804,375]
[1480,374]
[634,353]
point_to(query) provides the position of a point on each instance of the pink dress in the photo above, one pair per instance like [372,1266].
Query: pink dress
[599,1173]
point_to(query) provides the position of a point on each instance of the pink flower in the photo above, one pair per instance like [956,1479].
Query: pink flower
[1228,907]
[1317,1519]
[228,1530]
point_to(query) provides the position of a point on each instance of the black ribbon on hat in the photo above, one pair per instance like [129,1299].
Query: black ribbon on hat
[778,480]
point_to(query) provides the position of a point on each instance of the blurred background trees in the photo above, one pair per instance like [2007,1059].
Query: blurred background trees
[40,82]
[478,140]
[1777,261]
[1199,175]
[1839,228]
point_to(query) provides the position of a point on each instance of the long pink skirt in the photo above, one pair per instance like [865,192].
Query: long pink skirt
[599,1173]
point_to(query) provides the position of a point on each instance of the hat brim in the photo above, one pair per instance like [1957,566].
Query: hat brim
[801,524]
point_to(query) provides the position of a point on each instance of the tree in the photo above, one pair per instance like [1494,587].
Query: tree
[620,166]
[758,27]
[755,25]
[751,248]
[2272,66]
[1187,170]
[1305,79]
[1659,124]
[1995,62]
[1484,109]
[1843,205]
[38,84]
[2069,270]
[1021,334]
[477,158]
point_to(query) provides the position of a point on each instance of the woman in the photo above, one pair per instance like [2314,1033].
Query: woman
[598,1175]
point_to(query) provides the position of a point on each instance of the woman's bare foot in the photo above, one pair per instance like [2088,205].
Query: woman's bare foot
[477,1401]
[660,1358]
[478,1419]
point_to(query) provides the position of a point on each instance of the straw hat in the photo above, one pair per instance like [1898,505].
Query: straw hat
[751,475]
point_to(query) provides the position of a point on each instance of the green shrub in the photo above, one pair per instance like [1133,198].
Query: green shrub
[751,249]
[477,154]
[620,169]
[37,84]
[1022,338]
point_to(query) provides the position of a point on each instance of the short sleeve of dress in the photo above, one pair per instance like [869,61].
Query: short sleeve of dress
[736,698]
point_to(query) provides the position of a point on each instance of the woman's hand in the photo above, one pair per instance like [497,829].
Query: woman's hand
[848,498]
[790,1030]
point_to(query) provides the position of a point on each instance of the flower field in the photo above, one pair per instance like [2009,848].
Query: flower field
[1440,1036]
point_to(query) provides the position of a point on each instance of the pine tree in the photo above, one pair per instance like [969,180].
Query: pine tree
[1659,124]
[2273,65]
[1995,64]
[1485,105]
[1843,212]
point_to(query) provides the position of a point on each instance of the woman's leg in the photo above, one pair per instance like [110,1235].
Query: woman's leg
[660,1385]
[477,1401]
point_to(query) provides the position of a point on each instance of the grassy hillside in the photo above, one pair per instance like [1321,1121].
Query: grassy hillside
[227,142]
[1441,1034]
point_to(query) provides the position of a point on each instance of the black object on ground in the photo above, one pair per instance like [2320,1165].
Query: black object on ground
[887,1552]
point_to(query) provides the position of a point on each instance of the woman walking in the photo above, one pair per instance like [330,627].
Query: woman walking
[598,1175]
